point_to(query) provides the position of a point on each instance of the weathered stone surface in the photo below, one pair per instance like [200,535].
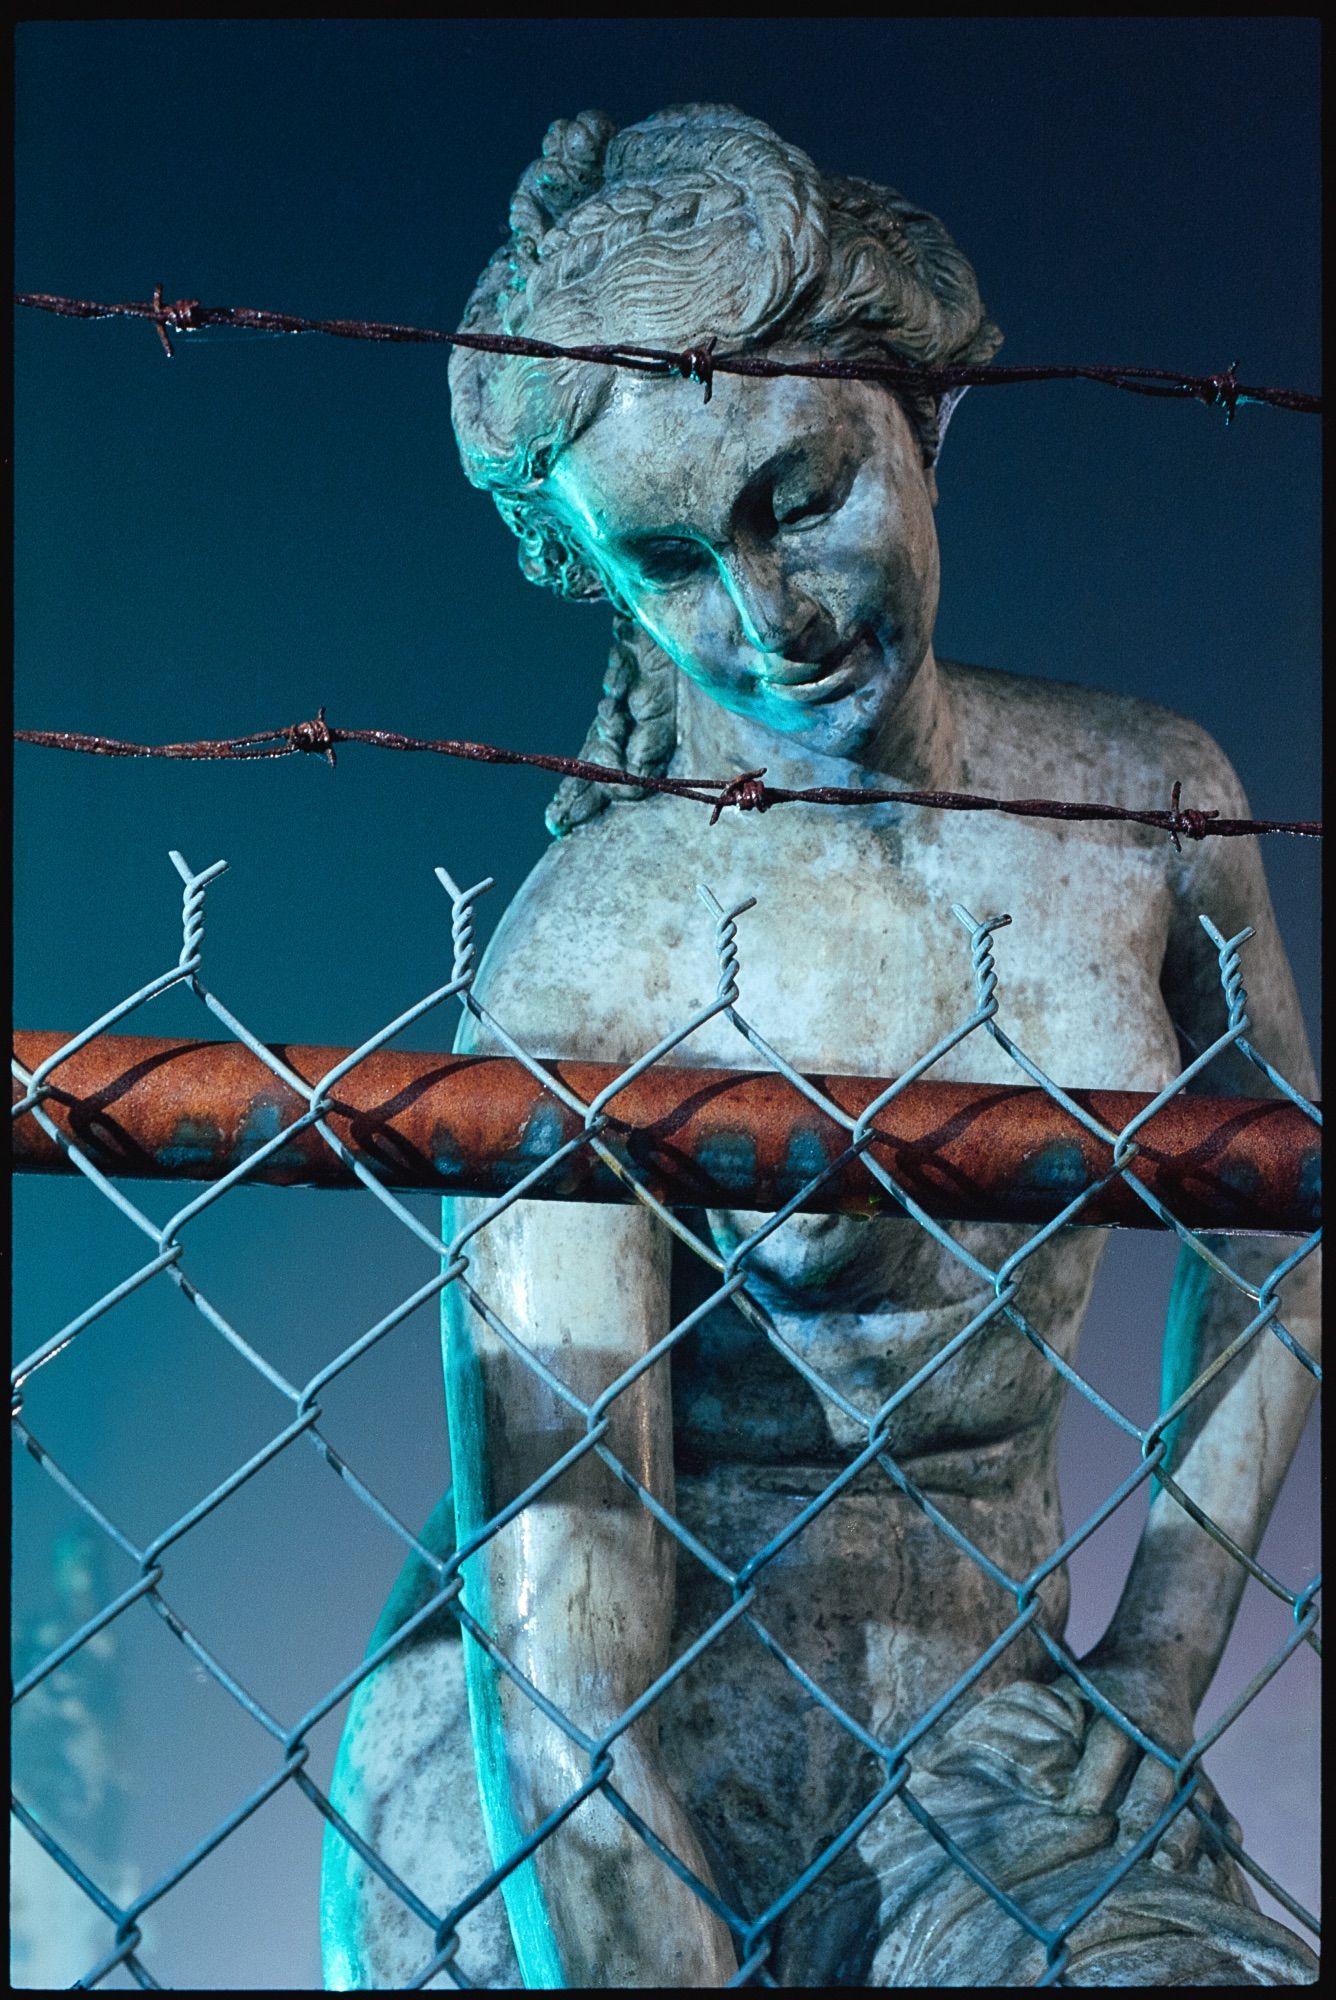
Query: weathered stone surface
[772,557]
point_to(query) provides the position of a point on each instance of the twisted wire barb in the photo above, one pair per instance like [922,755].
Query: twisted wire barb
[725,940]
[192,908]
[461,923]
[748,791]
[699,364]
[981,956]
[1231,972]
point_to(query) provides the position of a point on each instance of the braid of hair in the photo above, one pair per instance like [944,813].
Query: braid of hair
[634,728]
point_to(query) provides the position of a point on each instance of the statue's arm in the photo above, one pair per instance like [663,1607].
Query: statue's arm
[1232,1445]
[577,1590]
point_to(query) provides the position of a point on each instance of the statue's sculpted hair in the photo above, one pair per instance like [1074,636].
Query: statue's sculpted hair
[696,224]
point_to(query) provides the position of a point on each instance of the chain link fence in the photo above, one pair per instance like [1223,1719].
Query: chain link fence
[446,1264]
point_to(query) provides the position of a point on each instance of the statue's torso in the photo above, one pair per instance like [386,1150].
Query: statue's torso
[852,962]
[904,1575]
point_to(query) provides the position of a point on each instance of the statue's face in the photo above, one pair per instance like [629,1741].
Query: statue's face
[777,542]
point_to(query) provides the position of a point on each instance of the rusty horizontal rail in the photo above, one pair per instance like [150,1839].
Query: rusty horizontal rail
[150,1108]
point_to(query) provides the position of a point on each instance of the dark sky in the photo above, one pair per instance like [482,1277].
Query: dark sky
[270,524]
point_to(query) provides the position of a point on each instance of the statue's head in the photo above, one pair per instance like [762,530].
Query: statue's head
[702,225]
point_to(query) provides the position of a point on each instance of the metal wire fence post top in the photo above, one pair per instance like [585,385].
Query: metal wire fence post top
[1236,999]
[725,939]
[461,921]
[192,908]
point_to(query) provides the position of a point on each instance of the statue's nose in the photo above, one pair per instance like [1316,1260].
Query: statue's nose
[777,617]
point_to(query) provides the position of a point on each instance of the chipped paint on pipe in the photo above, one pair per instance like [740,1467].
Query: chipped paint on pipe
[184,1110]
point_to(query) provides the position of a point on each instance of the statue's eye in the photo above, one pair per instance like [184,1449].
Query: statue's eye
[808,492]
[812,508]
[668,559]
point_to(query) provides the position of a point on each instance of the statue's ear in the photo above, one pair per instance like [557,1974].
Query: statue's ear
[930,481]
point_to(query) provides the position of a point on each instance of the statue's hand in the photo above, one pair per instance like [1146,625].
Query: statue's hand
[1113,1773]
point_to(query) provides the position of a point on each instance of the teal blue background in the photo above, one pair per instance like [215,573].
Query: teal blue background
[266,524]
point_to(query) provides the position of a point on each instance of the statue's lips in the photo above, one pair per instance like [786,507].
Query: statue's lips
[814,680]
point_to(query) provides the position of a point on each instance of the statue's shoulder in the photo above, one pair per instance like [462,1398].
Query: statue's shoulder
[1061,739]
[609,865]
[566,965]
[566,887]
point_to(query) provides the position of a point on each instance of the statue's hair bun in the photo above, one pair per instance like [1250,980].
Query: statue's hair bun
[568,170]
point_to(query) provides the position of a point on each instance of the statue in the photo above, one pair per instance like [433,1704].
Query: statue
[772,563]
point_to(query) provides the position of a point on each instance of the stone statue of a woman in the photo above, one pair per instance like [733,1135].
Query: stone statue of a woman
[772,563]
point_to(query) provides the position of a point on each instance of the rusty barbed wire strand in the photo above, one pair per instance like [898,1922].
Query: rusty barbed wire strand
[700,364]
[748,791]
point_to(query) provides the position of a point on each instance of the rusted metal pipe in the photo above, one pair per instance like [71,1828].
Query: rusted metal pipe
[184,1110]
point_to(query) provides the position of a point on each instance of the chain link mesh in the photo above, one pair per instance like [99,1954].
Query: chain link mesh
[447,1263]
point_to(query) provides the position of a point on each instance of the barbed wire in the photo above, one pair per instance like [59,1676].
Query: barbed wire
[700,363]
[747,791]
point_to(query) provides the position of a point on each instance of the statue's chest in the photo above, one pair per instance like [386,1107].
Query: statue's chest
[855,960]
[865,969]
[850,960]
